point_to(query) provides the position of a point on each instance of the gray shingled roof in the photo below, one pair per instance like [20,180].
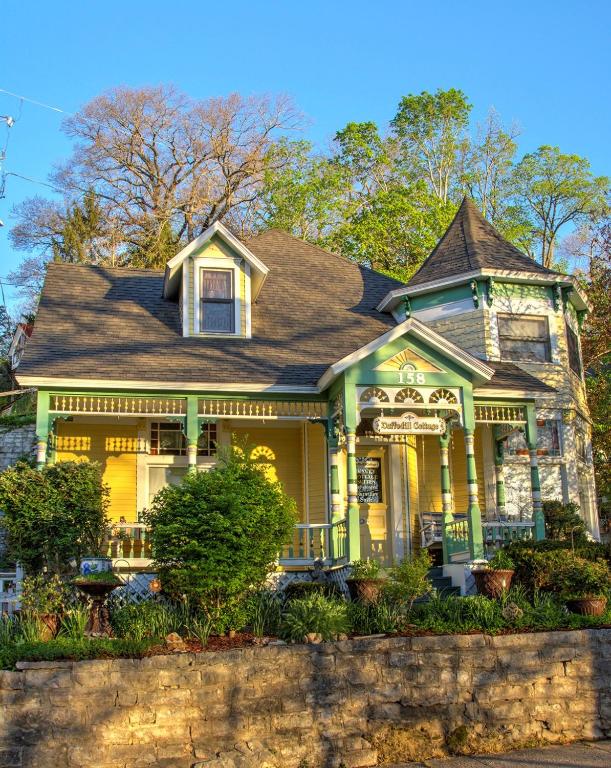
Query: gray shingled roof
[472,243]
[510,376]
[314,308]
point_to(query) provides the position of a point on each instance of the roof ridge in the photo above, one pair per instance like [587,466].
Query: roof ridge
[343,259]
[72,265]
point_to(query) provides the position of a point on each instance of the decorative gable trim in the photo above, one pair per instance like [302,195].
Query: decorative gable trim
[258,269]
[407,357]
[476,367]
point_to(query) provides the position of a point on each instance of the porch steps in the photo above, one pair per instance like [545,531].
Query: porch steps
[443,584]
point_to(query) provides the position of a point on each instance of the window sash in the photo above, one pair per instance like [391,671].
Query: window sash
[524,338]
[217,301]
[573,350]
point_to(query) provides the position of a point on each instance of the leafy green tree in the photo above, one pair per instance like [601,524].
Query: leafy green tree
[557,189]
[430,129]
[54,515]
[217,534]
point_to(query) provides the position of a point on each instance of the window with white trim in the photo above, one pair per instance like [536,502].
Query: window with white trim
[573,349]
[217,301]
[168,439]
[523,337]
[549,442]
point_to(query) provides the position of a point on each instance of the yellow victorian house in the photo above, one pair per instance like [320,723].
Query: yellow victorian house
[437,413]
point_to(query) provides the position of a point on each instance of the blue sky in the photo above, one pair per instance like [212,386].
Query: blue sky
[544,64]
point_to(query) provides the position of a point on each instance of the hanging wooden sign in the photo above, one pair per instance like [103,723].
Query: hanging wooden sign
[409,424]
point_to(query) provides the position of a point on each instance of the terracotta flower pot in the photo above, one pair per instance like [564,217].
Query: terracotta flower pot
[492,583]
[365,590]
[587,606]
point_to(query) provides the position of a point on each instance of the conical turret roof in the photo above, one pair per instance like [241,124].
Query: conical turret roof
[471,243]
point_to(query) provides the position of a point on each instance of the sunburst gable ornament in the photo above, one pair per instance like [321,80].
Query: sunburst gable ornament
[410,360]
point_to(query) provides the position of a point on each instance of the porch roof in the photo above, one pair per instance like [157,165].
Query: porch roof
[508,376]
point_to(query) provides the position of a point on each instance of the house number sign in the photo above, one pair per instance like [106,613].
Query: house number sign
[409,424]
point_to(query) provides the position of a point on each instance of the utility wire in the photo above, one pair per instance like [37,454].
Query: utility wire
[33,101]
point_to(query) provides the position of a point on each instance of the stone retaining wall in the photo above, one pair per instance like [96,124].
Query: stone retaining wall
[348,703]
[16,443]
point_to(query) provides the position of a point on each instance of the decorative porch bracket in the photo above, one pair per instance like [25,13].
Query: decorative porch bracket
[535,482]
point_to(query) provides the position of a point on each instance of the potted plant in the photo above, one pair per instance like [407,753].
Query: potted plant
[495,577]
[43,597]
[584,585]
[365,583]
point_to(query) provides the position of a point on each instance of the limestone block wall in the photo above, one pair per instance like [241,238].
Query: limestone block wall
[469,330]
[356,703]
[16,443]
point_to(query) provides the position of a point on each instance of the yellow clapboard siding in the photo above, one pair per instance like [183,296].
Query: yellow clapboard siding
[414,490]
[317,474]
[281,449]
[429,473]
[458,466]
[114,447]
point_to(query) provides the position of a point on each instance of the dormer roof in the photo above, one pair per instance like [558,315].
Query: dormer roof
[171,283]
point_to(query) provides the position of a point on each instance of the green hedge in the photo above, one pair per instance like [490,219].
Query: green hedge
[75,650]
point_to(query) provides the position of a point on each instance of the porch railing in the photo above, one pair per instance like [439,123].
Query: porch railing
[9,592]
[498,533]
[325,542]
[457,539]
[129,541]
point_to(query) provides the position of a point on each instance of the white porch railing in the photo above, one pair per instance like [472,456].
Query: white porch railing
[322,542]
[9,592]
[498,533]
[129,541]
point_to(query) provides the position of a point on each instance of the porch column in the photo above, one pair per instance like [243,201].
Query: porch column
[353,523]
[42,427]
[499,470]
[335,497]
[535,482]
[474,516]
[446,490]
[192,432]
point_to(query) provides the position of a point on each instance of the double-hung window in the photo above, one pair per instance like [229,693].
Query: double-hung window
[523,337]
[573,347]
[217,301]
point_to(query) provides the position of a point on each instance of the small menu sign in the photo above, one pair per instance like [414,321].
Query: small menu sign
[369,480]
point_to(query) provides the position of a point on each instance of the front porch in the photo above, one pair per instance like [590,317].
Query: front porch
[360,494]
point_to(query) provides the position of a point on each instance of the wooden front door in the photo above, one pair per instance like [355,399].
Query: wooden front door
[372,483]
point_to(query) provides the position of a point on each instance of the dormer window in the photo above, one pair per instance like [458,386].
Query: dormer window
[218,301]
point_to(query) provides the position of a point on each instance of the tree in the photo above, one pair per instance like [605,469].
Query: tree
[161,166]
[218,533]
[557,189]
[430,129]
[53,515]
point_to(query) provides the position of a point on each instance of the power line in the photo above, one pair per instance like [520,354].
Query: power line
[33,101]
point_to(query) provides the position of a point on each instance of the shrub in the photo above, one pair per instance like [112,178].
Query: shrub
[383,616]
[148,619]
[76,650]
[53,516]
[408,580]
[563,522]
[217,534]
[298,589]
[314,615]
[556,570]
[589,550]
[265,612]
[43,594]
[365,569]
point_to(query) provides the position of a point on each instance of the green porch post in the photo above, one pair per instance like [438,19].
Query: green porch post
[446,490]
[474,516]
[335,495]
[353,523]
[192,431]
[499,469]
[535,482]
[42,427]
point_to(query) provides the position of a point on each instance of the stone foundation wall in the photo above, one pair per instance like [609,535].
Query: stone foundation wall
[16,443]
[354,703]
